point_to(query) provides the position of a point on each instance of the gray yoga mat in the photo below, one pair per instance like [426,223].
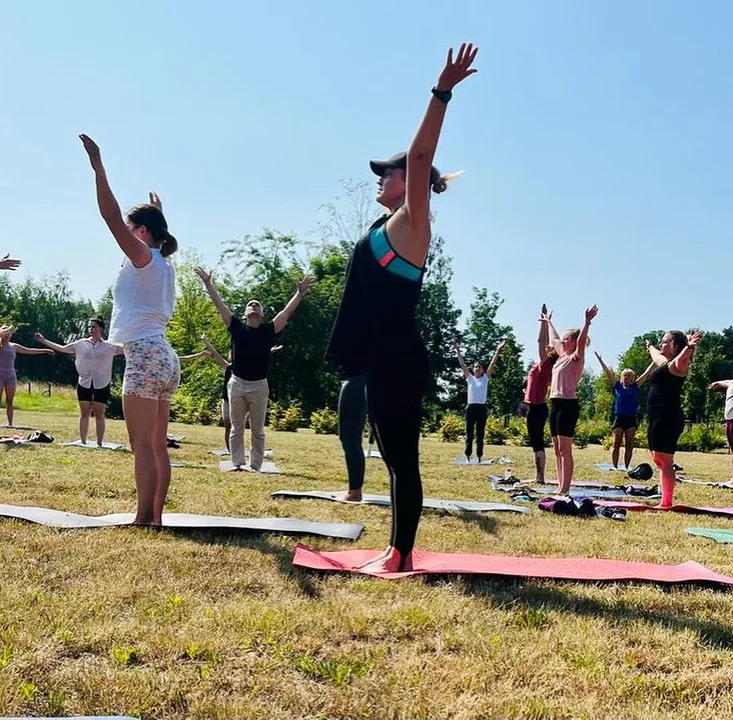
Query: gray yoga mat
[223,452]
[267,467]
[184,521]
[503,460]
[92,445]
[384,501]
[608,467]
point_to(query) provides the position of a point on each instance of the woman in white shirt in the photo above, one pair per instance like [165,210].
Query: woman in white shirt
[478,387]
[143,295]
[94,358]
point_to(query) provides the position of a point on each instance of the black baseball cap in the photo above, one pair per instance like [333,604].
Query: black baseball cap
[399,162]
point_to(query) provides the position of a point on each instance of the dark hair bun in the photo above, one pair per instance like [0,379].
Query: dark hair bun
[440,186]
[169,245]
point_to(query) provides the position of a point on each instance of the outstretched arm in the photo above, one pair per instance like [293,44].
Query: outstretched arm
[224,312]
[218,358]
[461,361]
[554,338]
[680,364]
[69,349]
[135,249]
[590,313]
[281,319]
[656,356]
[23,350]
[194,356]
[497,352]
[543,337]
[421,152]
[609,373]
[719,385]
[645,375]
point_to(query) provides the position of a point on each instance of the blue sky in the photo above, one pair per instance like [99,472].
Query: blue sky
[595,139]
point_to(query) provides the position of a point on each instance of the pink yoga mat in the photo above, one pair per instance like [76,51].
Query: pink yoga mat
[689,509]
[588,569]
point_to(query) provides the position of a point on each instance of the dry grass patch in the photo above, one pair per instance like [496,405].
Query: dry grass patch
[200,626]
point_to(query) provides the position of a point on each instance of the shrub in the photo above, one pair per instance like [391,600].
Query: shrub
[287,420]
[324,422]
[517,432]
[451,429]
[702,438]
[496,433]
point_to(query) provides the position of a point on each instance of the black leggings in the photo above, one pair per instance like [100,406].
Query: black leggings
[536,419]
[664,427]
[352,416]
[475,420]
[395,407]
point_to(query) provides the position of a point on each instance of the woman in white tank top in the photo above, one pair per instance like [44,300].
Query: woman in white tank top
[143,296]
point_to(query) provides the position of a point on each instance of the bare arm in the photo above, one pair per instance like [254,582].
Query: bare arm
[8,263]
[135,249]
[645,375]
[23,350]
[224,312]
[680,364]
[69,349]
[543,337]
[554,338]
[497,352]
[410,228]
[461,361]
[609,373]
[590,313]
[218,358]
[719,385]
[281,319]
[194,356]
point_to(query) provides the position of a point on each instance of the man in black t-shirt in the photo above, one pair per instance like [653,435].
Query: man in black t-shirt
[252,343]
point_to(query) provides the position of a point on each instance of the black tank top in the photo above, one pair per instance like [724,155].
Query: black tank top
[377,316]
[665,389]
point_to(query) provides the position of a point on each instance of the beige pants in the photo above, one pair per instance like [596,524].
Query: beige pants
[247,398]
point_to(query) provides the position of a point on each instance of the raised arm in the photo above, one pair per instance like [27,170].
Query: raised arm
[553,337]
[69,349]
[135,249]
[719,385]
[218,358]
[656,356]
[224,312]
[590,313]
[497,352]
[680,364]
[410,229]
[461,361]
[23,350]
[281,319]
[609,373]
[543,337]
[645,375]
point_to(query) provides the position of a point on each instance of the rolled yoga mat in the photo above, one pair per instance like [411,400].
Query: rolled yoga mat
[583,569]
[185,521]
[721,536]
[384,501]
[689,509]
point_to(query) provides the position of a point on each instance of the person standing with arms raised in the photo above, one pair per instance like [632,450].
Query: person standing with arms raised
[93,358]
[376,326]
[143,295]
[477,382]
[252,344]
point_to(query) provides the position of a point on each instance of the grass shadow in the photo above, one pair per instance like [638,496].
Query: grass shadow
[527,595]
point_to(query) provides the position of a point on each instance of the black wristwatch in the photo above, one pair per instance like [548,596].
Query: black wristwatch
[442,95]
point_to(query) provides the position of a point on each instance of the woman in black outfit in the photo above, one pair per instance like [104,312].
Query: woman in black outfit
[376,325]
[664,405]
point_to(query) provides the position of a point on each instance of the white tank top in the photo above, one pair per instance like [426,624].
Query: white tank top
[142,299]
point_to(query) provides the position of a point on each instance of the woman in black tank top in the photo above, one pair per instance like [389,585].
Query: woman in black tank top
[666,421]
[376,326]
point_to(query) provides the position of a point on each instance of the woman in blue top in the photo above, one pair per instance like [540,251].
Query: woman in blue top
[376,327]
[625,406]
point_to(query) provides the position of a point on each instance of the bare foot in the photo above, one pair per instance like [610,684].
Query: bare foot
[385,553]
[353,496]
[389,564]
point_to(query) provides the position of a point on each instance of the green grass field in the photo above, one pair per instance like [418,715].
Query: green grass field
[129,621]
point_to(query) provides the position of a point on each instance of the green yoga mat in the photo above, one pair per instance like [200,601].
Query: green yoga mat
[721,536]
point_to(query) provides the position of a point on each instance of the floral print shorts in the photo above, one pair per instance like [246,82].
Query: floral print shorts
[152,369]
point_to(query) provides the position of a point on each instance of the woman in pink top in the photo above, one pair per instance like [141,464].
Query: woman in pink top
[535,395]
[564,406]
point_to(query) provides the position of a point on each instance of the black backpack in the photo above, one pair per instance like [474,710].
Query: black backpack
[643,471]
